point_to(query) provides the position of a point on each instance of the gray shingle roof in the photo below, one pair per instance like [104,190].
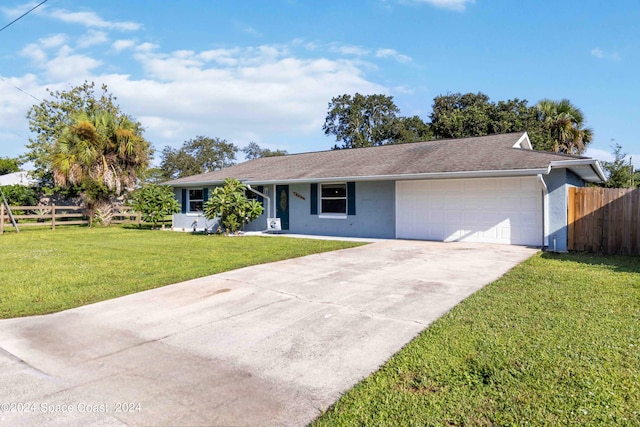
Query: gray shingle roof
[478,154]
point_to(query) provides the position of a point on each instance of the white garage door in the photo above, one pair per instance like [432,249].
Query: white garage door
[490,210]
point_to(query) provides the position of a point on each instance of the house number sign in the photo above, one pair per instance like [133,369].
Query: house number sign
[298,195]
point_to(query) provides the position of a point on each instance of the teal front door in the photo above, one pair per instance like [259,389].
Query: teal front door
[282,205]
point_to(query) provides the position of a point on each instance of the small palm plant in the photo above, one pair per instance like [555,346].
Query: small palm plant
[230,204]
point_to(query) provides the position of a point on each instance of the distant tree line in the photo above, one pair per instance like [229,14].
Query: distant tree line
[204,154]
[370,120]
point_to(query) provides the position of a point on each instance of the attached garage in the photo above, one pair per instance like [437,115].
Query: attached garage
[490,210]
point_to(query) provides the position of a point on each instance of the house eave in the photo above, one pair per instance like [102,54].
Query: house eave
[391,177]
[588,169]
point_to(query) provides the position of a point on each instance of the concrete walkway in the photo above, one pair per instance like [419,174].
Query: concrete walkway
[273,344]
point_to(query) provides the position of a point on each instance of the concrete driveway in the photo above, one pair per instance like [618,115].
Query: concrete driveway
[273,344]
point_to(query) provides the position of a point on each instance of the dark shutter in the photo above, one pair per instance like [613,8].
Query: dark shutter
[184,200]
[260,189]
[205,195]
[314,199]
[351,198]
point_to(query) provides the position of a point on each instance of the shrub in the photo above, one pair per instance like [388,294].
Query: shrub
[230,204]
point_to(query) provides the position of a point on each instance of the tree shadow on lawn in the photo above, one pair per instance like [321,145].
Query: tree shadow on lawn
[617,263]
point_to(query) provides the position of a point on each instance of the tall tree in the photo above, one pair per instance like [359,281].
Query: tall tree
[620,172]
[9,165]
[474,114]
[460,115]
[51,117]
[564,124]
[361,120]
[196,156]
[254,151]
[102,154]
[411,129]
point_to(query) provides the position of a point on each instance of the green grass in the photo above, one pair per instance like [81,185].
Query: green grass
[44,271]
[556,341]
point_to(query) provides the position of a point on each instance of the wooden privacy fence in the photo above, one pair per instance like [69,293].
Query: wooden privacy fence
[604,220]
[52,216]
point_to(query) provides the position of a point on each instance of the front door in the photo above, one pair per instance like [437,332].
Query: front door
[282,205]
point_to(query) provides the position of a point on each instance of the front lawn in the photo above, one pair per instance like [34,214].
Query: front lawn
[43,271]
[556,341]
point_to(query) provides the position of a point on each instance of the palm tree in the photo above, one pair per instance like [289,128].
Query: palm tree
[102,153]
[564,123]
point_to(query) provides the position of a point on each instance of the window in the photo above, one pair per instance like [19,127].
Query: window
[334,198]
[196,200]
[250,195]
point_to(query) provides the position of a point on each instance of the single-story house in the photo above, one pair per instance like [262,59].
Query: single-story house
[493,189]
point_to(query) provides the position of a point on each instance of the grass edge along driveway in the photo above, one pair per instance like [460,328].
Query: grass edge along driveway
[44,271]
[555,341]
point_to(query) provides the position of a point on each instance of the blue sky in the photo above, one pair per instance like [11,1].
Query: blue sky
[265,71]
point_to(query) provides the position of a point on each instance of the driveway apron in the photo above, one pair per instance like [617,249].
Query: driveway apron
[272,344]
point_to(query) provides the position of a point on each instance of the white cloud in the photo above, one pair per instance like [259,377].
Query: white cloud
[597,52]
[92,37]
[91,19]
[14,104]
[392,53]
[456,5]
[68,67]
[596,153]
[14,12]
[601,54]
[37,51]
[250,30]
[261,93]
[147,47]
[34,52]
[346,49]
[120,45]
[607,156]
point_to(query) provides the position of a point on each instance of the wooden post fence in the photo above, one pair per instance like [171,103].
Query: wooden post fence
[604,220]
[54,216]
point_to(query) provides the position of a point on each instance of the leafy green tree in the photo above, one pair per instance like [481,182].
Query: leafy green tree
[411,129]
[254,151]
[564,124]
[196,156]
[51,117]
[19,195]
[102,153]
[9,165]
[620,171]
[460,115]
[361,120]
[152,175]
[474,114]
[230,204]
[155,202]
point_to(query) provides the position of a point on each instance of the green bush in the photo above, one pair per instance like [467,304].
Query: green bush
[155,202]
[230,204]
[19,195]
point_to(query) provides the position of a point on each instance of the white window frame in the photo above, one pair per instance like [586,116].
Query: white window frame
[190,200]
[333,215]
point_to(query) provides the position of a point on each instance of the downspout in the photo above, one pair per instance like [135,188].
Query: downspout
[268,203]
[545,213]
